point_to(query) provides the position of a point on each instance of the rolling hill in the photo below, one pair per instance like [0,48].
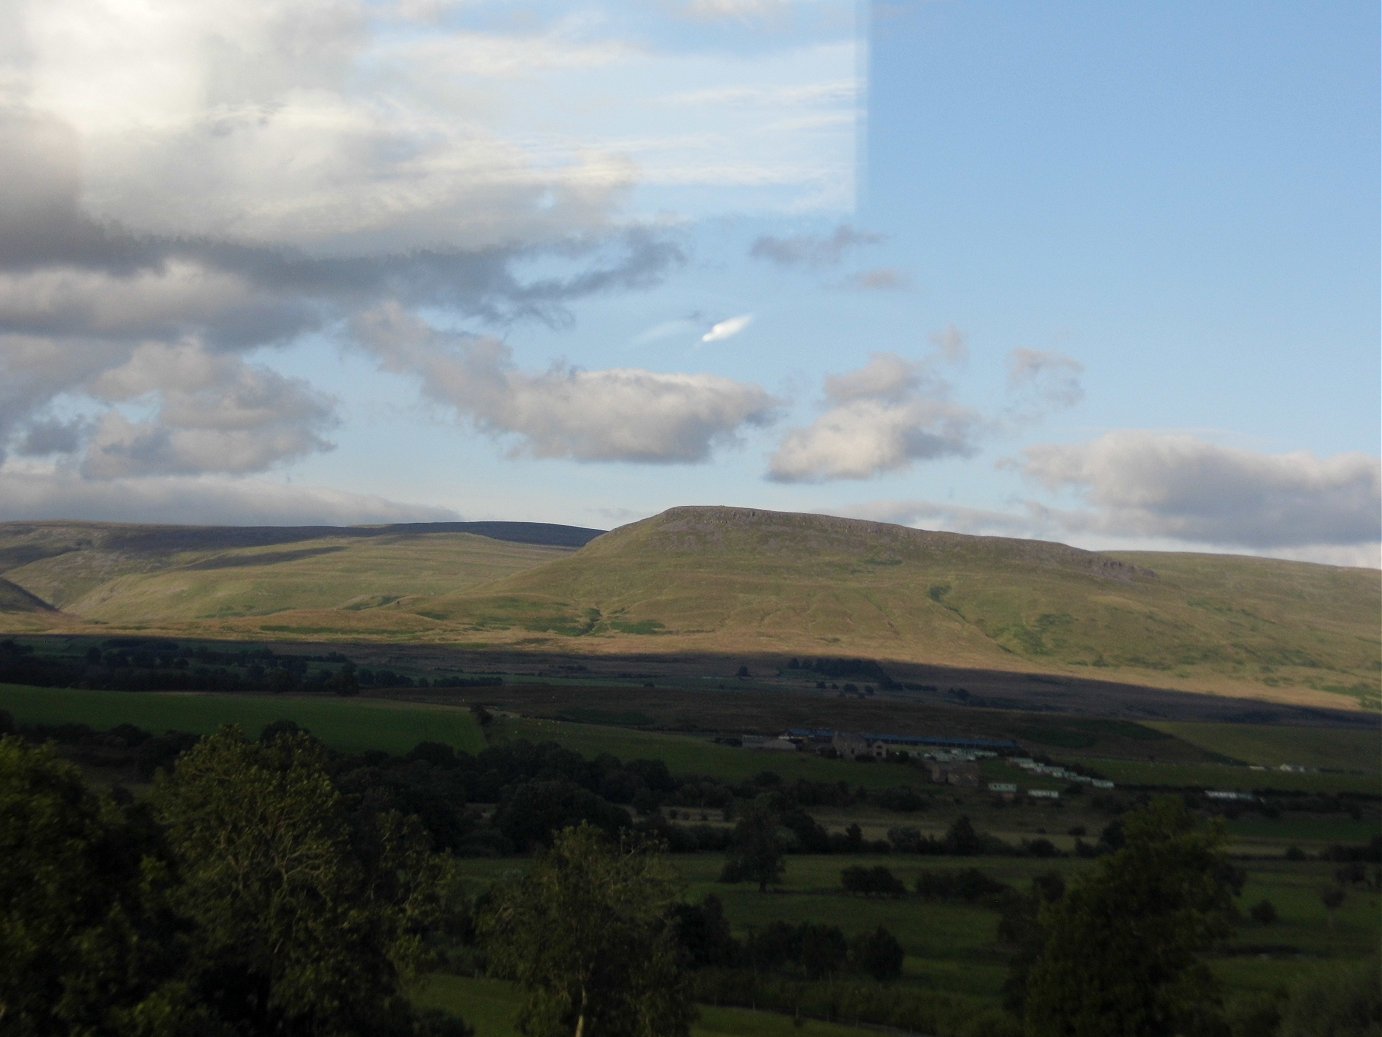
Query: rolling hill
[733,581]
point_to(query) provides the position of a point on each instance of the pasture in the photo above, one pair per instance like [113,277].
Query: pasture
[953,948]
[491,1006]
[697,754]
[351,725]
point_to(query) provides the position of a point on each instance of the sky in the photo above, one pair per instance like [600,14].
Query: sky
[1106,274]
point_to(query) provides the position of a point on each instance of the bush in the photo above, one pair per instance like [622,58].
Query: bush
[877,954]
[875,881]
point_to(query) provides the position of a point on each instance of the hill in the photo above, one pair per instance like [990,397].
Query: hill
[730,581]
[727,580]
[17,599]
[205,580]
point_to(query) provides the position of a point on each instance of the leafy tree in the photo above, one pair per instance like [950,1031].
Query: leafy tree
[1332,897]
[309,919]
[1121,949]
[870,881]
[585,932]
[703,932]
[86,943]
[757,853]
[961,839]
[877,954]
[537,810]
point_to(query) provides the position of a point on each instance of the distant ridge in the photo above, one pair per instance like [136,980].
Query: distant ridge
[24,542]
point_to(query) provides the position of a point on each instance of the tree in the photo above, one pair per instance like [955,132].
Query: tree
[309,918]
[877,954]
[1332,897]
[87,944]
[586,933]
[757,854]
[704,934]
[1121,949]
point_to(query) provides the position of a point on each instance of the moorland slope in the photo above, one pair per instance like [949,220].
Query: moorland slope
[726,581]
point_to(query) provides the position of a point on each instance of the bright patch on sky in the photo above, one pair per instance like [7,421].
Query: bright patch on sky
[728,328]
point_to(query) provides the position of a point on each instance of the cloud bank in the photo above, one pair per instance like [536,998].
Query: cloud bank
[1175,485]
[621,414]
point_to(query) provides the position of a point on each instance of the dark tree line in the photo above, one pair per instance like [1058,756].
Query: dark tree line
[247,896]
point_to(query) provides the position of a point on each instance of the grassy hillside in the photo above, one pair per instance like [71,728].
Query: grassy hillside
[16,599]
[726,580]
[736,580]
[212,581]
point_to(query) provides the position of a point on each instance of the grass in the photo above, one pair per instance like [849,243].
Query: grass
[491,1006]
[690,754]
[1227,777]
[347,724]
[1271,746]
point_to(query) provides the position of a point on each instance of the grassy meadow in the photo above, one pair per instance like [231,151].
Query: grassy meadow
[352,725]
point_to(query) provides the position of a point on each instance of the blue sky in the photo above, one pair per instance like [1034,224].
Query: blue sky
[1099,273]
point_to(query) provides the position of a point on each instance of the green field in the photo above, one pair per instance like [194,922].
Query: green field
[491,1005]
[952,948]
[1325,748]
[692,754]
[348,724]
[1227,777]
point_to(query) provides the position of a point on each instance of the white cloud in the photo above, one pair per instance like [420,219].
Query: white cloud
[739,10]
[727,328]
[883,417]
[1175,485]
[621,414]
[865,438]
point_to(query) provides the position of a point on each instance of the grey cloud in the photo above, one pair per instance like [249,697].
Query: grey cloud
[78,297]
[1042,381]
[1157,484]
[216,414]
[52,436]
[811,251]
[879,279]
[952,344]
[886,376]
[206,500]
[611,415]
